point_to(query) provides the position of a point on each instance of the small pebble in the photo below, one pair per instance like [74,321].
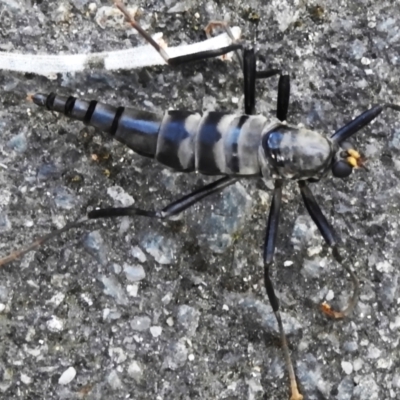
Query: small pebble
[134,273]
[175,355]
[18,143]
[27,380]
[114,289]
[188,318]
[155,331]
[67,376]
[330,295]
[357,364]
[141,323]
[114,381]
[137,252]
[288,263]
[135,371]
[161,248]
[55,324]
[347,367]
[132,290]
[120,197]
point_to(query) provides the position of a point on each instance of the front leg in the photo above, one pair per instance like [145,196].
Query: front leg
[330,238]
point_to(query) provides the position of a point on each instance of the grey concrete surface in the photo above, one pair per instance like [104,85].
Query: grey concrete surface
[177,310]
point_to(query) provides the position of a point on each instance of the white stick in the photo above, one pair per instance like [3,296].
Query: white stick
[137,57]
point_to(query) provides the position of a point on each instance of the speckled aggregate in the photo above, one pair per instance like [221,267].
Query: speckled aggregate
[209,331]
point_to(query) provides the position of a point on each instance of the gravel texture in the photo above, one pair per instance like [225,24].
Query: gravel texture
[143,309]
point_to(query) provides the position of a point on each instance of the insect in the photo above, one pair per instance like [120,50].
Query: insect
[235,146]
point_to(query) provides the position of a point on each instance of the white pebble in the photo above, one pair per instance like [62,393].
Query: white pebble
[134,273]
[92,7]
[135,371]
[330,295]
[155,331]
[87,299]
[26,379]
[67,376]
[347,367]
[118,194]
[57,299]
[137,252]
[55,324]
[365,61]
[358,363]
[132,290]
[287,263]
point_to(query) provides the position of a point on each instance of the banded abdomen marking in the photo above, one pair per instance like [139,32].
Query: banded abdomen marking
[168,138]
[175,147]
[135,128]
[217,143]
[227,144]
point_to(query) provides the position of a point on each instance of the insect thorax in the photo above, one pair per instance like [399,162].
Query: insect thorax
[289,152]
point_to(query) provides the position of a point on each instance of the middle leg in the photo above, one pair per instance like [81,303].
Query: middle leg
[170,210]
[174,208]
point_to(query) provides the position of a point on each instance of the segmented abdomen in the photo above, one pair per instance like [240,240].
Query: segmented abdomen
[215,143]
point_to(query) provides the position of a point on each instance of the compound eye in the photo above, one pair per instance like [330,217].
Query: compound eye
[341,169]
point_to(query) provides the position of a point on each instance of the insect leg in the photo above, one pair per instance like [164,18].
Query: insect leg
[330,238]
[249,75]
[242,62]
[171,209]
[359,122]
[202,55]
[283,97]
[269,250]
[40,242]
[267,74]
[247,62]
[210,27]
